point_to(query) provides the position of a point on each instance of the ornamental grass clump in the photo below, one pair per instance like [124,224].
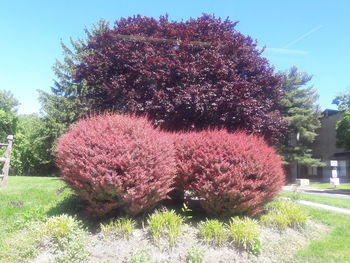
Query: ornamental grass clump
[122,227]
[229,173]
[245,233]
[213,232]
[117,162]
[165,224]
[283,213]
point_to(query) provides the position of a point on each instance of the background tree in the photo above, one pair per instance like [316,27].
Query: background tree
[8,102]
[65,104]
[342,100]
[194,74]
[303,114]
[343,132]
[8,117]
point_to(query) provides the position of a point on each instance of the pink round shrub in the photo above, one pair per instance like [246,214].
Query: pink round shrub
[117,162]
[230,173]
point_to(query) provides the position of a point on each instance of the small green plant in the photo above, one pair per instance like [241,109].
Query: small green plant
[195,255]
[121,227]
[186,210]
[60,226]
[68,238]
[165,223]
[212,231]
[283,214]
[139,257]
[72,248]
[245,233]
[295,193]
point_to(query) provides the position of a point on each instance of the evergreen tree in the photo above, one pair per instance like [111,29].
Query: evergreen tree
[303,114]
[64,104]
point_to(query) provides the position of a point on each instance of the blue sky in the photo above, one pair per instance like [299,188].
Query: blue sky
[313,35]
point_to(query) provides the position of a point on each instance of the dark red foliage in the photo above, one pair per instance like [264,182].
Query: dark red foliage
[117,162]
[230,173]
[194,74]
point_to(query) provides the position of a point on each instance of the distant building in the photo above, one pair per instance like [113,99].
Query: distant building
[324,148]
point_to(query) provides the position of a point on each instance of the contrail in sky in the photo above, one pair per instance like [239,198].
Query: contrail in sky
[303,36]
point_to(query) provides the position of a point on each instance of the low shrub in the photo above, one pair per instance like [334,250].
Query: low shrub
[230,173]
[121,227]
[195,255]
[60,226]
[245,233]
[283,213]
[117,162]
[212,231]
[167,224]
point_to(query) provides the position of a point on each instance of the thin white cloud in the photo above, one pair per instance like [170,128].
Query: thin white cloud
[303,36]
[286,51]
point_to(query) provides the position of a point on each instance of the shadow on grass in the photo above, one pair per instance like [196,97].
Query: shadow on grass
[74,206]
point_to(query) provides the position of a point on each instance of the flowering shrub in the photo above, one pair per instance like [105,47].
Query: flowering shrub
[230,173]
[116,161]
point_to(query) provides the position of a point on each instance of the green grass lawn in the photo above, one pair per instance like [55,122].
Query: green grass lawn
[344,203]
[334,246]
[345,186]
[24,199]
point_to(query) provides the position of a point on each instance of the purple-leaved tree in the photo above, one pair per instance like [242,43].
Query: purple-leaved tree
[193,74]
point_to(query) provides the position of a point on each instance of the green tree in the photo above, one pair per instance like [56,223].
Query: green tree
[303,114]
[64,105]
[24,158]
[8,124]
[343,132]
[342,100]
[8,102]
[8,117]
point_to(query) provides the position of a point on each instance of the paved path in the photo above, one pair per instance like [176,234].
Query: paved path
[327,207]
[320,191]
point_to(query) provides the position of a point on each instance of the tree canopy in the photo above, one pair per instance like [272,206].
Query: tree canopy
[193,74]
[303,115]
[342,100]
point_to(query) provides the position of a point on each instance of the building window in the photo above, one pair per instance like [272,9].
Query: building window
[341,169]
[312,171]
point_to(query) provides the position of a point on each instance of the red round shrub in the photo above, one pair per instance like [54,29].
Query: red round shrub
[117,161]
[230,173]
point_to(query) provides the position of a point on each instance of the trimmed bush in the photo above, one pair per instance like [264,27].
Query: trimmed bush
[230,173]
[117,162]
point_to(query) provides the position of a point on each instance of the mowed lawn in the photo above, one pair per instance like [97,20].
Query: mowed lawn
[345,186]
[340,202]
[26,198]
[334,247]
